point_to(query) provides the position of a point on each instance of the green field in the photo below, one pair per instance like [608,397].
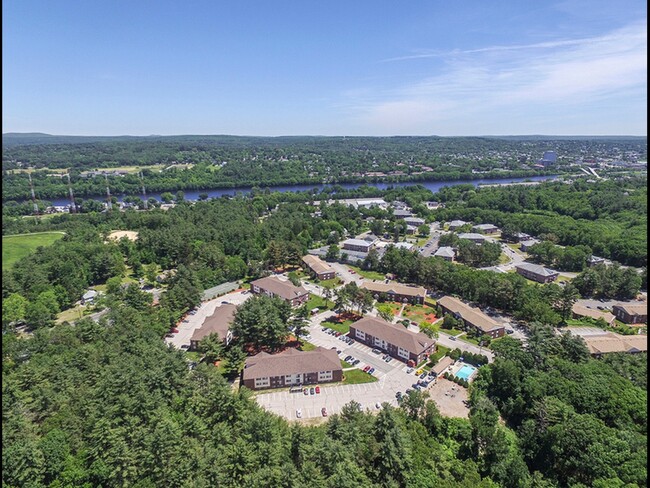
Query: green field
[356,376]
[19,246]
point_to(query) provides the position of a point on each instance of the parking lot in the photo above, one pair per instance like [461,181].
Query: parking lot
[192,322]
[392,376]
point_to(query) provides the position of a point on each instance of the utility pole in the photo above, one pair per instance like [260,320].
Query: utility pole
[144,192]
[73,206]
[109,203]
[31,188]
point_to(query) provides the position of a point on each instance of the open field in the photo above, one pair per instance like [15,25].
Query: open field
[18,246]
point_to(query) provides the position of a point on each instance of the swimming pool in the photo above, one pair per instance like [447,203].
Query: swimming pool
[465,372]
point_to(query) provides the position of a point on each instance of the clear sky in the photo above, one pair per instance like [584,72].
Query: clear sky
[352,67]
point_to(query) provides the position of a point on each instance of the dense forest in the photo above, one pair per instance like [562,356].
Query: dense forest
[107,403]
[208,162]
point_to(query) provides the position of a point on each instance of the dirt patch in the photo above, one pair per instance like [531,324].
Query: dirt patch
[116,235]
[449,397]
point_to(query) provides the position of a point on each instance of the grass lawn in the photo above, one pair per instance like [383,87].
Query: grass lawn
[441,351]
[356,376]
[18,246]
[503,259]
[343,327]
[316,301]
[306,346]
[371,275]
[71,314]
[345,365]
[566,278]
[193,355]
[453,332]
[419,313]
[430,301]
[333,283]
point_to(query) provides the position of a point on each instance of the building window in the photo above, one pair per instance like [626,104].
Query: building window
[325,376]
[360,335]
[262,382]
[403,353]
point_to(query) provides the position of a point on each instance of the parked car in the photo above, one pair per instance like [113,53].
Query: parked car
[510,331]
[452,338]
[409,370]
[174,330]
[318,390]
[192,312]
[388,359]
[376,351]
[323,412]
[371,370]
[306,391]
[312,391]
[347,358]
[377,405]
[337,334]
[423,375]
[299,413]
[398,395]
[366,369]
[185,346]
[324,329]
[355,362]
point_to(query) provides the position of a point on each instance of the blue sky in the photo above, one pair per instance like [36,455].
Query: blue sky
[325,68]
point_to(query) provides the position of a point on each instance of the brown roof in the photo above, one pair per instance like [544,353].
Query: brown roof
[633,308]
[291,361]
[317,265]
[583,311]
[397,335]
[471,315]
[443,364]
[217,323]
[283,289]
[395,288]
[611,342]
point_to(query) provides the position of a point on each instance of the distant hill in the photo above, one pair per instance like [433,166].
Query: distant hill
[10,139]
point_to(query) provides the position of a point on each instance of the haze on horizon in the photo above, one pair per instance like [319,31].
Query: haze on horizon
[561,68]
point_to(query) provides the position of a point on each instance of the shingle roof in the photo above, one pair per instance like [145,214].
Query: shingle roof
[611,342]
[537,269]
[457,223]
[485,227]
[317,265]
[471,315]
[395,288]
[445,251]
[633,308]
[397,335]
[283,289]
[291,361]
[357,242]
[529,242]
[443,364]
[583,311]
[217,323]
[471,236]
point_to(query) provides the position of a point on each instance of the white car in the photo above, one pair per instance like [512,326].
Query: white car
[377,405]
[299,413]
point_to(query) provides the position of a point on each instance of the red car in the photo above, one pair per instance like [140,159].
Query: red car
[174,330]
[317,389]
[323,411]
[366,369]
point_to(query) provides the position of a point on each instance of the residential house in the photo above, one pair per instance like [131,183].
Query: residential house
[415,221]
[536,272]
[396,292]
[218,323]
[594,260]
[292,368]
[631,313]
[445,252]
[471,316]
[397,341]
[456,224]
[275,287]
[401,213]
[434,205]
[528,243]
[578,311]
[319,268]
[485,229]
[89,297]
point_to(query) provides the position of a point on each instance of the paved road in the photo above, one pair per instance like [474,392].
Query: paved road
[431,246]
[344,273]
[186,329]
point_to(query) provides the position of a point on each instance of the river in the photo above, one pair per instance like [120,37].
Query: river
[434,186]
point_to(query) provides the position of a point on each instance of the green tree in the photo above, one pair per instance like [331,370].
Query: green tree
[13,309]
